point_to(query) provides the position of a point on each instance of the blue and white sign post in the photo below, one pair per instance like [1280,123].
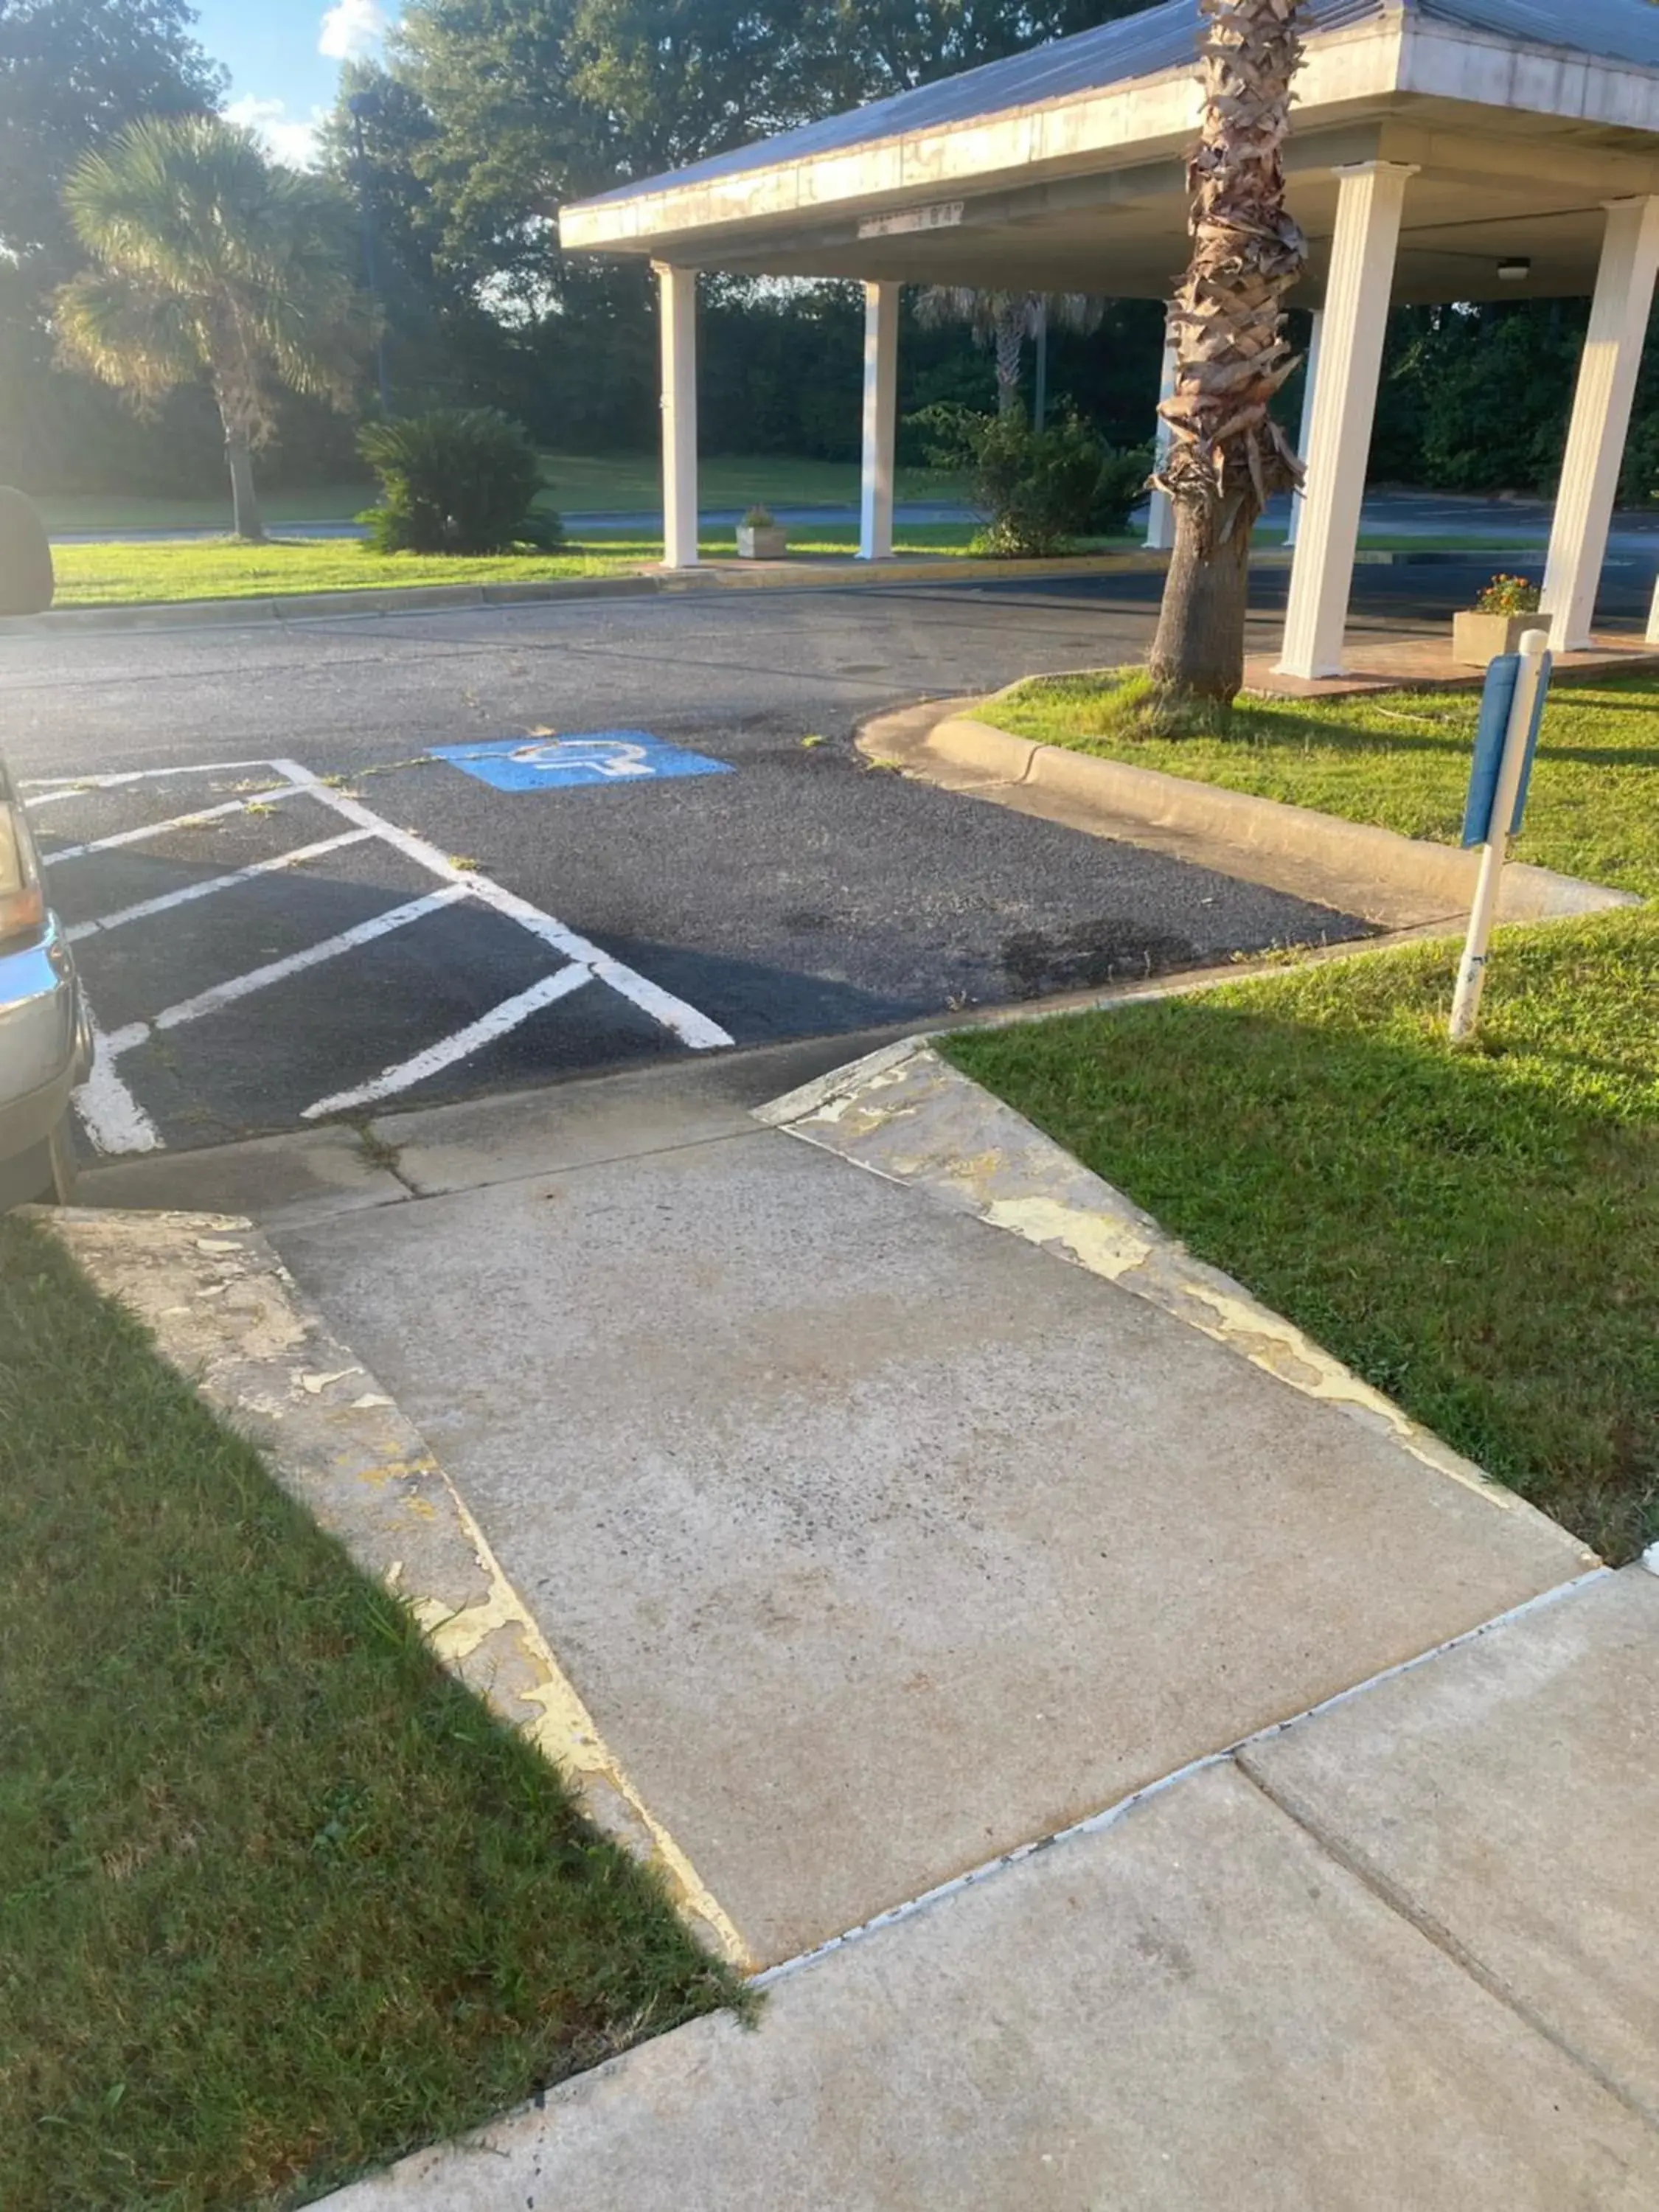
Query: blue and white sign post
[1511,711]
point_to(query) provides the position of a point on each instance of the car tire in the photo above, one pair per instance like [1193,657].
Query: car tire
[59,1163]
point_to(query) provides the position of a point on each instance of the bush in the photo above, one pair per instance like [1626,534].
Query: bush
[26,582]
[1124,471]
[457,480]
[1036,489]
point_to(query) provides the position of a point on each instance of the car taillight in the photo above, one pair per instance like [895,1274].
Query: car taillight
[22,902]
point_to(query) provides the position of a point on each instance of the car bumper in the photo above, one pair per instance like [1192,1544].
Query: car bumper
[45,1048]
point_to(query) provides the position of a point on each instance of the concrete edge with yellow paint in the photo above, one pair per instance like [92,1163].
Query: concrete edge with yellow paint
[906,1114]
[225,1311]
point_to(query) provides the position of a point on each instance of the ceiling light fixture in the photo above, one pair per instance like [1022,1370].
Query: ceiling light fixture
[1515,269]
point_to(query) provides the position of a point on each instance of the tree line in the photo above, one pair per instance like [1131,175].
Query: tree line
[485,115]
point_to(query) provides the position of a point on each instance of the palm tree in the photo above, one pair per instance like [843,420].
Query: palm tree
[211,260]
[1004,320]
[1226,453]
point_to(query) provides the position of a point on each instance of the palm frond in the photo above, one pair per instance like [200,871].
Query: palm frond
[128,333]
[256,257]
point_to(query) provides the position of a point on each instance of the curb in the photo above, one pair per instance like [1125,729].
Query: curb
[311,606]
[1288,841]
[376,599]
[226,1313]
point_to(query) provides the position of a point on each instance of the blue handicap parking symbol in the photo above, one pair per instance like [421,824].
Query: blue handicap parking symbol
[547,761]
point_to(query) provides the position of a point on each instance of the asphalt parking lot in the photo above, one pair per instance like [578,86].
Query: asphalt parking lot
[315,868]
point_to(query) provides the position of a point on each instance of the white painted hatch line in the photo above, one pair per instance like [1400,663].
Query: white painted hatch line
[195,821]
[279,971]
[692,1028]
[52,787]
[167,900]
[114,1121]
[460,1045]
[109,1113]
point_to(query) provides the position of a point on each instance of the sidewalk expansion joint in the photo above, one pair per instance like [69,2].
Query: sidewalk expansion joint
[1399,1902]
[1094,1824]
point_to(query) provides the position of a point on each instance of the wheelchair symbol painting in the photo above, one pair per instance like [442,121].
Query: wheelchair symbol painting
[549,761]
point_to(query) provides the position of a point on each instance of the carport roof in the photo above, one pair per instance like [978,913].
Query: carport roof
[1157,39]
[1062,167]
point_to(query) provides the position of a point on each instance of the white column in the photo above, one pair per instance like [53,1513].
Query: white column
[1304,438]
[1600,418]
[881,320]
[1369,201]
[1160,515]
[678,306]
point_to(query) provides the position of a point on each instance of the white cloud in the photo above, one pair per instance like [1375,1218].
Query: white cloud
[284,136]
[352,29]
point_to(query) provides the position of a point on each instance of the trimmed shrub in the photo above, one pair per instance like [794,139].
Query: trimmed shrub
[456,480]
[26,581]
[1125,472]
[1035,490]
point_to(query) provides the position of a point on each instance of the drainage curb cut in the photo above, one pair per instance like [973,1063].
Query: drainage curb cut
[909,1117]
[228,1315]
[1124,797]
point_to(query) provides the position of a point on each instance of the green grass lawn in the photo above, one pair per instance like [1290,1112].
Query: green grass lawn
[281,1898]
[1402,759]
[1476,1233]
[578,482]
[119,571]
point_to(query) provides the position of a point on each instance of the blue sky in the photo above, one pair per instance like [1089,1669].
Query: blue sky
[284,58]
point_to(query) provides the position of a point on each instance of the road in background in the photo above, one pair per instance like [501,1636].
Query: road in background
[1521,524]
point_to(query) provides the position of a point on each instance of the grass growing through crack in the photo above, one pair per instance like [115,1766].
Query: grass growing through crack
[281,1898]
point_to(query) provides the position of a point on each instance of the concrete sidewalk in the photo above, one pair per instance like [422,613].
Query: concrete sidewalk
[1396,1959]
[920,1577]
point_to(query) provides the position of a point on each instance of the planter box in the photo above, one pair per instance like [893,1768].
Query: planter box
[768,544]
[1477,640]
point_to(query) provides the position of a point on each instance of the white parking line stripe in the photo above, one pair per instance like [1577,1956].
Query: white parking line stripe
[459,1045]
[177,822]
[68,786]
[145,907]
[692,1028]
[277,971]
[109,1113]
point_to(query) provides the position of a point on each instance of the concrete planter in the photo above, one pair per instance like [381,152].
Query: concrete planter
[1478,638]
[762,542]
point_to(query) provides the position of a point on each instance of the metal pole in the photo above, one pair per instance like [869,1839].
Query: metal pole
[366,212]
[1472,971]
[1039,408]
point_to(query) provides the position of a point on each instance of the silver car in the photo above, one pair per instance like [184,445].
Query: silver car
[45,1044]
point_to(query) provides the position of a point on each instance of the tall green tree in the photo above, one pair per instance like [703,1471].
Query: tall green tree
[73,73]
[497,111]
[211,262]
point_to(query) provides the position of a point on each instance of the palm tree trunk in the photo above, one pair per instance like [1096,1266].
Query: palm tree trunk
[245,521]
[1010,341]
[1226,453]
[1199,650]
